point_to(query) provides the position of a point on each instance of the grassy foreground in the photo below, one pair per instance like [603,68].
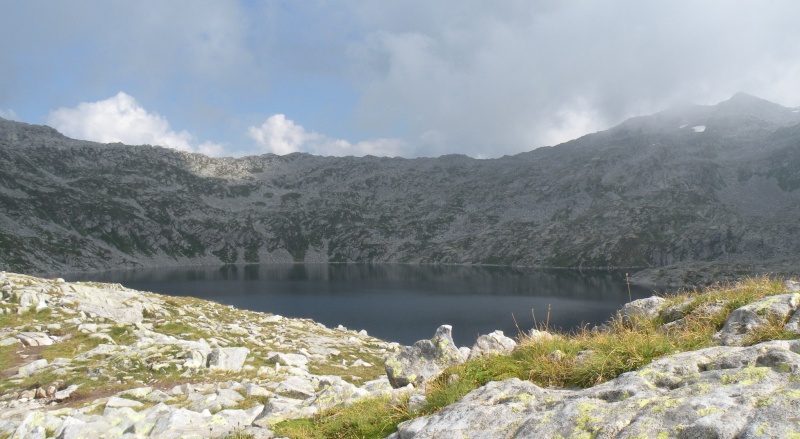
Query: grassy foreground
[579,359]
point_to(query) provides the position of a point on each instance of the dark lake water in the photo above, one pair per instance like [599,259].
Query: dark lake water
[402,303]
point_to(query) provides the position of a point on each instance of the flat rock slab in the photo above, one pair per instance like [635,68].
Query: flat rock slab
[34,339]
[117,402]
[296,387]
[227,359]
[32,368]
[125,306]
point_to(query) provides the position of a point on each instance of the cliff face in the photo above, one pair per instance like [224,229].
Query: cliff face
[716,183]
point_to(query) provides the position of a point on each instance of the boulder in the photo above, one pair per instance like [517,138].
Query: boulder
[182,389]
[65,393]
[227,359]
[255,390]
[213,402]
[32,368]
[182,423]
[28,299]
[743,321]
[378,387]
[495,343]
[295,360]
[423,361]
[338,392]
[705,310]
[641,309]
[10,341]
[36,421]
[195,358]
[535,335]
[295,387]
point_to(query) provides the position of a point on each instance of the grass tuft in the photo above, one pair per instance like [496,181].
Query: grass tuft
[373,418]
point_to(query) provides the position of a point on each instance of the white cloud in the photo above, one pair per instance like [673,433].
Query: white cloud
[8,114]
[279,135]
[121,119]
[570,122]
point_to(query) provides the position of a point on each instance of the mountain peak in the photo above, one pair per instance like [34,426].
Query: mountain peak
[742,97]
[743,104]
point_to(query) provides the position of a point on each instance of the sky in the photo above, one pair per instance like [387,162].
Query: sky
[405,78]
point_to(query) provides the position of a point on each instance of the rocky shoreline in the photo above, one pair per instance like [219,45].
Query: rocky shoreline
[727,391]
[100,360]
[692,274]
[92,360]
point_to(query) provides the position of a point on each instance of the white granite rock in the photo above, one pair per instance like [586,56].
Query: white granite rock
[227,359]
[296,387]
[34,339]
[495,343]
[32,367]
[743,321]
[424,360]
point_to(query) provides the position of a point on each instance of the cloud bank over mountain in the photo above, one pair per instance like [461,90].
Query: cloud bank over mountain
[407,78]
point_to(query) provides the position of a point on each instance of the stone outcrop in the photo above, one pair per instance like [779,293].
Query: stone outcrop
[231,359]
[424,360]
[236,371]
[742,322]
[721,392]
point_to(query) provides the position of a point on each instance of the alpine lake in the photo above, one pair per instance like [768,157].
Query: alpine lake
[402,303]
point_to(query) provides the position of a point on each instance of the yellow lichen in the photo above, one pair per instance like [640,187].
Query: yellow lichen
[747,376]
[708,411]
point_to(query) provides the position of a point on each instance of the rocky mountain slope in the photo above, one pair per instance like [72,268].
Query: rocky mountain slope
[695,186]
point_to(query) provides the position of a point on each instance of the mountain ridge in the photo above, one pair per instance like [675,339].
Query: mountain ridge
[651,192]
